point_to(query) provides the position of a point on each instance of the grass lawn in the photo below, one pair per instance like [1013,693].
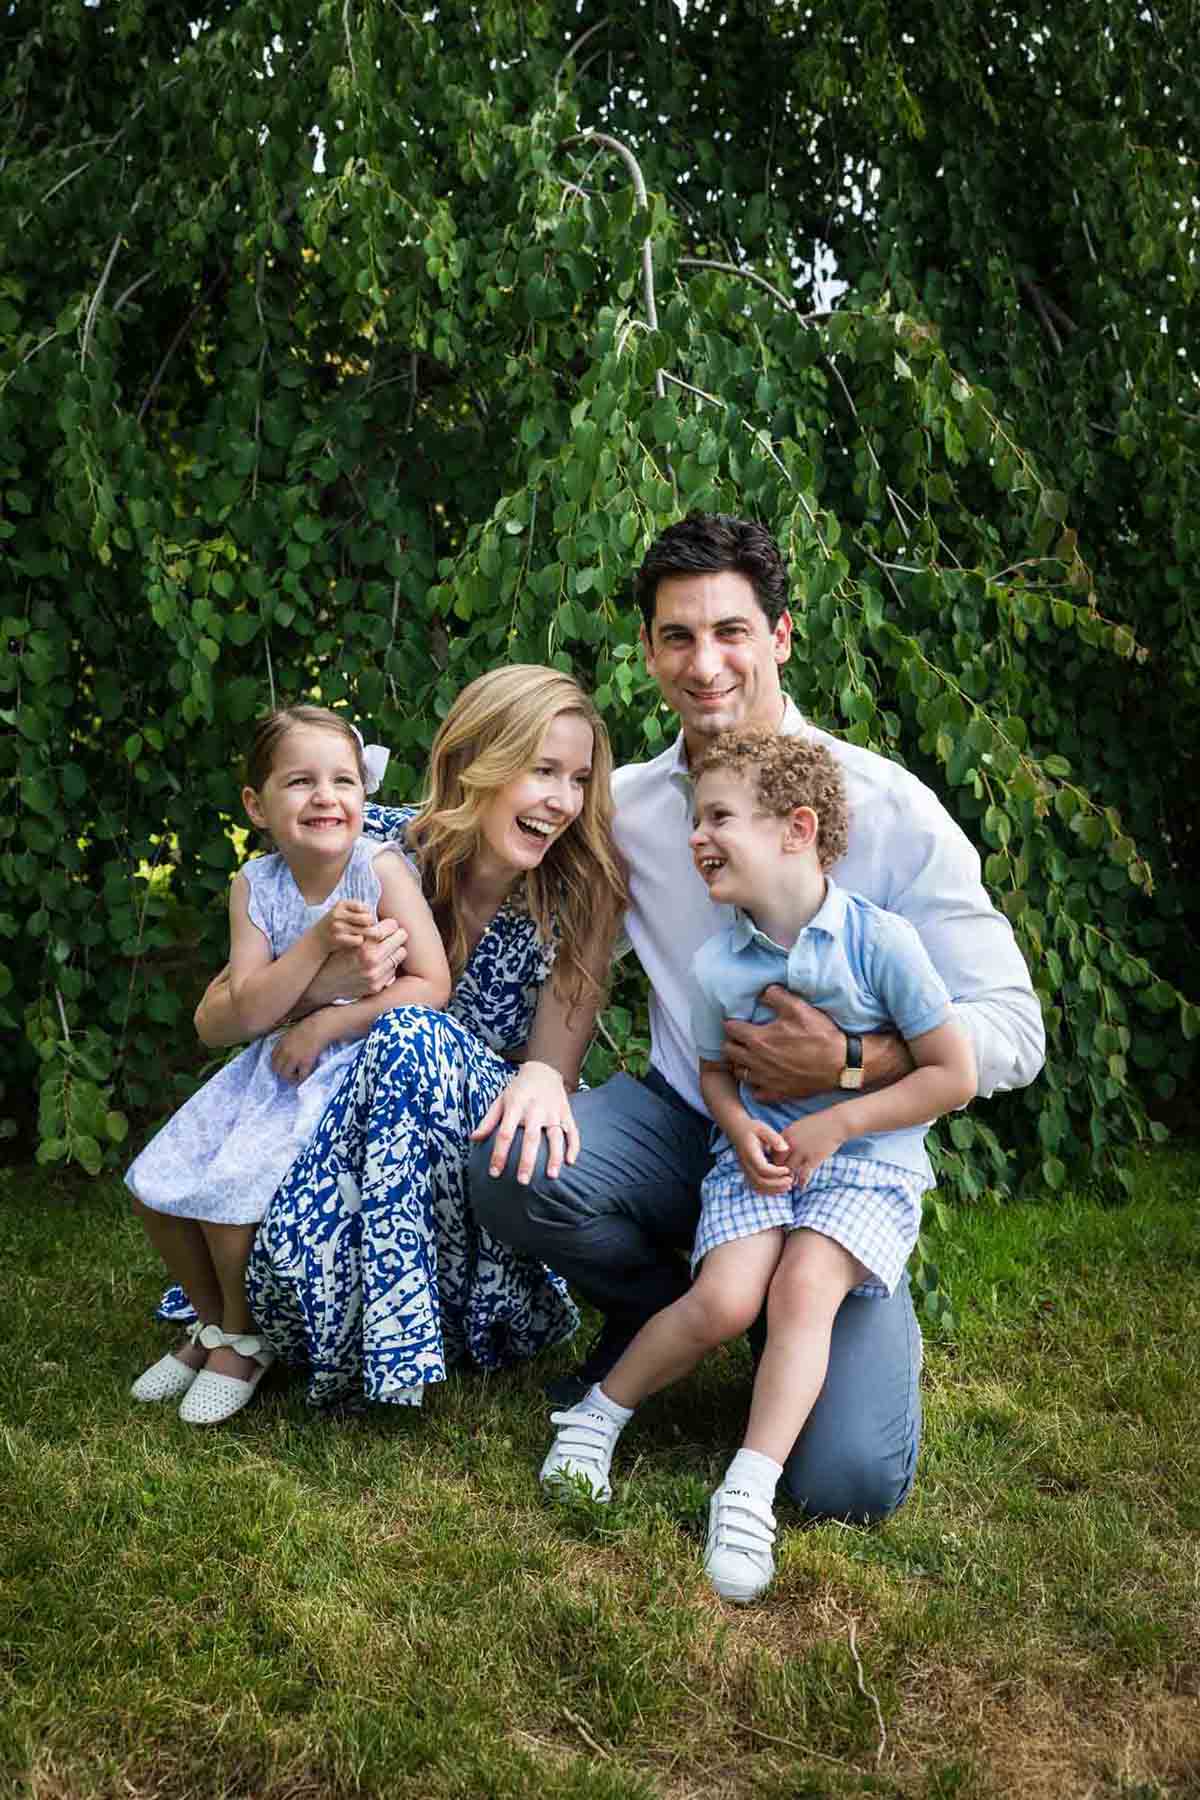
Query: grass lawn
[298,1607]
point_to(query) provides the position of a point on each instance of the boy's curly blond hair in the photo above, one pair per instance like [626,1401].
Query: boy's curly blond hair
[787,772]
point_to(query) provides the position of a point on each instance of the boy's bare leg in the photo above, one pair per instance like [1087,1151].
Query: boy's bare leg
[724,1301]
[229,1247]
[812,1278]
[184,1251]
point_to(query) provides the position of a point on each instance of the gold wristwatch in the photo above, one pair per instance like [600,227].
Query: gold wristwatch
[852,1075]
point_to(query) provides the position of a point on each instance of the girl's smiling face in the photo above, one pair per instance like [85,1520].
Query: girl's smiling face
[311,803]
[529,813]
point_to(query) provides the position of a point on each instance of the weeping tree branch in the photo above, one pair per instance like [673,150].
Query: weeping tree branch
[89,322]
[577,46]
[639,188]
[1039,306]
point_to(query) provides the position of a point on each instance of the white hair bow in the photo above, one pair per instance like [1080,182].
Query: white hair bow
[375,761]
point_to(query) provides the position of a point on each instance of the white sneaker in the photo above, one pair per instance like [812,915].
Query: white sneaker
[581,1452]
[737,1553]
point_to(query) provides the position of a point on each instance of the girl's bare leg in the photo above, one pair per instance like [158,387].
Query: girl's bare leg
[813,1277]
[724,1301]
[184,1251]
[229,1249]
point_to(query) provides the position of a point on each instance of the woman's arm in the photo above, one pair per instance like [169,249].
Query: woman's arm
[537,1100]
[356,973]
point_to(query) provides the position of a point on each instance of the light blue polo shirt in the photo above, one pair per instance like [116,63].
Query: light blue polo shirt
[864,967]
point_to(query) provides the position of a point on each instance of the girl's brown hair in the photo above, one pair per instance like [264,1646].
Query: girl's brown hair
[270,732]
[491,735]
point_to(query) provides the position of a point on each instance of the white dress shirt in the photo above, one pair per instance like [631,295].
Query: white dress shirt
[905,853]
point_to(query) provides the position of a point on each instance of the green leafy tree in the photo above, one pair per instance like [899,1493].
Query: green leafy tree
[347,352]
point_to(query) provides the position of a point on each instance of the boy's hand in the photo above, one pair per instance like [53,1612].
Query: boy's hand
[762,1153]
[809,1141]
[344,926]
[297,1049]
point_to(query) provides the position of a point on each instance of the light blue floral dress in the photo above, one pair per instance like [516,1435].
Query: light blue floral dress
[223,1154]
[368,1265]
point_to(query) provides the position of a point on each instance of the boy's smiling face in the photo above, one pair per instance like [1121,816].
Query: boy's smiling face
[736,846]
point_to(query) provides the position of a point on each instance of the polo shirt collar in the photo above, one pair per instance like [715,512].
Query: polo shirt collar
[678,773]
[829,919]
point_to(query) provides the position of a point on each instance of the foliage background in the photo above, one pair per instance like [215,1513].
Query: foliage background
[327,365]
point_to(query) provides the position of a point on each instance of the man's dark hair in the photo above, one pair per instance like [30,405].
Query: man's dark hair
[710,544]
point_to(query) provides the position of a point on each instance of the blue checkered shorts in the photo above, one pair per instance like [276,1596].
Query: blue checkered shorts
[872,1209]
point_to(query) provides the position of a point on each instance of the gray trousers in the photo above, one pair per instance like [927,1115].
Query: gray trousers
[615,1225]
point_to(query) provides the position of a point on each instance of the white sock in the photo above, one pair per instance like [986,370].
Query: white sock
[612,1409]
[751,1469]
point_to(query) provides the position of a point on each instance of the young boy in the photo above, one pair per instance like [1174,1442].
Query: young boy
[807,1200]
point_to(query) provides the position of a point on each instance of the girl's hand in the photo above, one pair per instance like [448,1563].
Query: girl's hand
[535,1101]
[763,1153]
[810,1140]
[344,926]
[297,1049]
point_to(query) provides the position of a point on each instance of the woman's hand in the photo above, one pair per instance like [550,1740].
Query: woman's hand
[535,1102]
[357,974]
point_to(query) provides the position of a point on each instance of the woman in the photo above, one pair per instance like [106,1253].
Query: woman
[368,1265]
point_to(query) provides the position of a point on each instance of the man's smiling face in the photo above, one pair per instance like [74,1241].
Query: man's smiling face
[714,656]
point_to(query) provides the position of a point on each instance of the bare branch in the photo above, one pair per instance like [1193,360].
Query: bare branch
[29,354]
[578,45]
[90,321]
[132,289]
[349,44]
[728,268]
[1035,294]
[639,188]
[175,342]
[676,381]
[704,262]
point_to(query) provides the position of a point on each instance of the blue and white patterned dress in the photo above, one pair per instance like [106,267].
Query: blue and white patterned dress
[369,1265]
[223,1154]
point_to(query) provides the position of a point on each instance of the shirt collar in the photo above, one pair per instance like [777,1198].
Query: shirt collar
[678,773]
[828,919]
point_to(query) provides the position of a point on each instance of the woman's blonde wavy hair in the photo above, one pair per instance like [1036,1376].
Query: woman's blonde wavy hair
[491,735]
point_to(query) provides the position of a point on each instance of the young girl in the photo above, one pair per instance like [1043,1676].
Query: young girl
[203,1183]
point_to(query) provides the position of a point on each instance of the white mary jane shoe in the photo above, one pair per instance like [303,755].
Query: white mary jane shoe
[212,1398]
[168,1378]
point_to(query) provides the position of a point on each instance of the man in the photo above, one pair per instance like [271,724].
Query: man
[716,633]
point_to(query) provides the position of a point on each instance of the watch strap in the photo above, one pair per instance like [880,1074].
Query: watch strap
[852,1074]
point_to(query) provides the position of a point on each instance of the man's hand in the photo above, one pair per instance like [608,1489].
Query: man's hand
[297,1049]
[762,1152]
[357,973]
[801,1051]
[810,1140]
